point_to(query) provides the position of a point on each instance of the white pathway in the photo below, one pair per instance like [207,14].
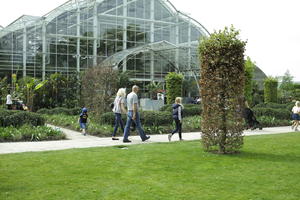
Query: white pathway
[76,140]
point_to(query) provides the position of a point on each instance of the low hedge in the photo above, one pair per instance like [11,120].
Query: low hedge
[148,118]
[29,133]
[283,114]
[60,110]
[20,118]
[267,121]
[189,109]
[287,106]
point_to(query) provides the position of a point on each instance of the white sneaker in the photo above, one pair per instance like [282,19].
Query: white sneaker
[169,137]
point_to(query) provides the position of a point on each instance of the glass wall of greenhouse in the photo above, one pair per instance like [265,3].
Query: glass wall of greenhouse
[85,33]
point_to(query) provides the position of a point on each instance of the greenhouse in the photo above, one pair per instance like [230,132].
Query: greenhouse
[148,38]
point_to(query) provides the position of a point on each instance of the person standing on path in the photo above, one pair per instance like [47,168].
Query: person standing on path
[133,115]
[83,120]
[296,115]
[9,101]
[177,116]
[118,109]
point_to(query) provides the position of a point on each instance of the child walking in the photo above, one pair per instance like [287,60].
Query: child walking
[83,120]
[177,117]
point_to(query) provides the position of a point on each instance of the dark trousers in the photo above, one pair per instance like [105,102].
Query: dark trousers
[118,121]
[9,106]
[178,128]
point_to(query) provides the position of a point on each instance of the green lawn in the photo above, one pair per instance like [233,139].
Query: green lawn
[267,169]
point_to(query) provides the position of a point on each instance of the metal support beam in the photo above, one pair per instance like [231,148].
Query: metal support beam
[44,50]
[24,51]
[78,42]
[152,39]
[95,35]
[125,32]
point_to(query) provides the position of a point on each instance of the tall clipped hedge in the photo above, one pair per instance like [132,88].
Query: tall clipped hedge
[249,73]
[222,90]
[173,86]
[270,87]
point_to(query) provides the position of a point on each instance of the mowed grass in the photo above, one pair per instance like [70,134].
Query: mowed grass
[268,168]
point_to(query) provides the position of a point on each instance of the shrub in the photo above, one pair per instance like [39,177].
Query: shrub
[189,109]
[174,86]
[222,88]
[20,118]
[268,121]
[148,118]
[60,110]
[29,133]
[272,112]
[270,87]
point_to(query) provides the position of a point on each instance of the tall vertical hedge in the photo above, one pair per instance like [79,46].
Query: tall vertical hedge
[270,87]
[222,90]
[249,73]
[173,86]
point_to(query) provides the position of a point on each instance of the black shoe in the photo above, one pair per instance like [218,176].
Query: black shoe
[126,141]
[115,138]
[147,138]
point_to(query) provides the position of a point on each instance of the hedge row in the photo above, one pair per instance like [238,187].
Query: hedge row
[20,118]
[29,133]
[148,118]
[60,110]
[287,106]
[189,109]
[283,114]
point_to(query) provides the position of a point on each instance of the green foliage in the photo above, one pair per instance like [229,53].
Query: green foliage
[60,110]
[273,112]
[268,121]
[270,88]
[29,133]
[173,86]
[222,90]
[249,73]
[20,118]
[153,88]
[148,118]
[3,90]
[98,88]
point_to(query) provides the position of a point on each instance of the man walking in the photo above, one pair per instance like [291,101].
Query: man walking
[133,115]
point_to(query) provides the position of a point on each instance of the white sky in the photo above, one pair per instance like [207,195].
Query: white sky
[271,27]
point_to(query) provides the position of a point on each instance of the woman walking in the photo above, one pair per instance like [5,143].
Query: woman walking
[118,109]
[177,116]
[296,115]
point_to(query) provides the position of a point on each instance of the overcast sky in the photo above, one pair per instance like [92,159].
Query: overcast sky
[271,27]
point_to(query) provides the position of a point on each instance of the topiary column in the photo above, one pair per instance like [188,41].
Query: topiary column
[270,90]
[222,91]
[173,86]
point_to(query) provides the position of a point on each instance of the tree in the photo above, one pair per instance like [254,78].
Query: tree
[173,86]
[249,70]
[99,85]
[286,87]
[270,90]
[222,90]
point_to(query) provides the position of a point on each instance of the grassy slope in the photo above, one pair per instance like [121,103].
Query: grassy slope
[267,168]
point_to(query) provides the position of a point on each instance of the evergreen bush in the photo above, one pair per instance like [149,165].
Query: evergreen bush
[173,86]
[270,87]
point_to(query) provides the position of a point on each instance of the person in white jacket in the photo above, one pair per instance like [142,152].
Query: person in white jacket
[9,102]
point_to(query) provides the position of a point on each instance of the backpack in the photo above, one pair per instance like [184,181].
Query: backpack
[112,105]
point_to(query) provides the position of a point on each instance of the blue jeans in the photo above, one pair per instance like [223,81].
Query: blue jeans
[138,125]
[118,120]
[178,128]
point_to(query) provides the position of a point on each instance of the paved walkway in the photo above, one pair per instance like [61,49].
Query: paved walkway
[77,140]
